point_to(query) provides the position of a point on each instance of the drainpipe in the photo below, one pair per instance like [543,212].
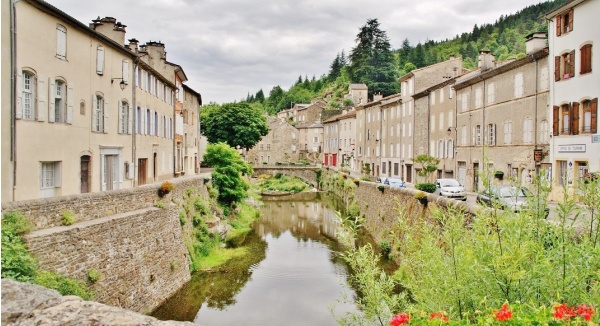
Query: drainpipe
[134,123]
[13,88]
[199,136]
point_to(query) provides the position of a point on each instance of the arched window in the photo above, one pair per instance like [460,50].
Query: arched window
[450,149]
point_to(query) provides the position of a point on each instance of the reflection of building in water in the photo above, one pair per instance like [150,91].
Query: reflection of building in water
[304,219]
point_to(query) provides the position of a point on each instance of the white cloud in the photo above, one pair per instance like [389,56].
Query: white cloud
[231,47]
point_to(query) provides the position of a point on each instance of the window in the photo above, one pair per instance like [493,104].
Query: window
[61,42]
[441,121]
[544,81]
[450,119]
[507,132]
[139,77]
[478,135]
[268,147]
[442,95]
[564,66]
[463,135]
[478,98]
[562,172]
[440,149]
[50,178]
[544,132]
[432,98]
[148,122]
[464,99]
[99,119]
[148,82]
[123,117]
[518,85]
[590,114]
[528,131]
[491,129]
[432,123]
[138,120]
[100,60]
[586,59]
[564,23]
[450,149]
[491,93]
[28,96]
[566,122]
[59,112]
[156,124]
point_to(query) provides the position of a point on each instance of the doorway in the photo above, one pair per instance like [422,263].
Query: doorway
[85,174]
[476,176]
[142,162]
[154,166]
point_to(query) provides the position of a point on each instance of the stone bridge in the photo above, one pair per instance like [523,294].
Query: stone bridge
[310,174]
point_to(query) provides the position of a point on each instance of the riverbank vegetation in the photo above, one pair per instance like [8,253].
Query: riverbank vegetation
[19,265]
[279,183]
[496,266]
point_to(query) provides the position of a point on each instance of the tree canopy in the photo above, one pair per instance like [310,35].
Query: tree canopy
[237,124]
[372,61]
[229,166]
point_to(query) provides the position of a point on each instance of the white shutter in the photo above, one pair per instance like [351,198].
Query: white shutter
[51,100]
[61,42]
[143,121]
[19,108]
[104,111]
[130,123]
[100,60]
[151,123]
[70,96]
[94,112]
[57,174]
[102,167]
[41,100]
[126,71]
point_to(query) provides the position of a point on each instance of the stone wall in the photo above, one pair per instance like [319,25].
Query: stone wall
[48,212]
[138,249]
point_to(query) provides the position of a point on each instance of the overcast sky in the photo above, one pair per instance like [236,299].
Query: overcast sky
[228,48]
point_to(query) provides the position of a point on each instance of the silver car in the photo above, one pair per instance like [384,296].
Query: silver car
[510,198]
[450,188]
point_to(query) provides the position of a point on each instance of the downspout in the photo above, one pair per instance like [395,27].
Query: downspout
[535,130]
[199,137]
[13,88]
[134,123]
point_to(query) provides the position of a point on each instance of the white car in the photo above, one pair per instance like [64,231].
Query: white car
[450,188]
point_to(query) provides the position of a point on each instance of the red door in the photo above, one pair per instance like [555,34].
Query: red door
[334,160]
[326,159]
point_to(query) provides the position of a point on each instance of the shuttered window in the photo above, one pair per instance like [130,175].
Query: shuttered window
[586,59]
[555,120]
[100,60]
[61,42]
[575,119]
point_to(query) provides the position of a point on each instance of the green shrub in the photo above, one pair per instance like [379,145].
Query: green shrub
[426,187]
[94,275]
[17,263]
[182,218]
[68,218]
[200,206]
[159,204]
[64,285]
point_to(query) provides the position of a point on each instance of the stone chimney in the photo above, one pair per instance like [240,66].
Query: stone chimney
[109,27]
[377,97]
[133,45]
[156,50]
[535,42]
[486,60]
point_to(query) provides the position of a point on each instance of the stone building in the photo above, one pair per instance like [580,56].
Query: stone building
[339,138]
[414,131]
[502,116]
[310,113]
[73,103]
[281,144]
[574,90]
[310,141]
[436,113]
[358,93]
[391,140]
[193,151]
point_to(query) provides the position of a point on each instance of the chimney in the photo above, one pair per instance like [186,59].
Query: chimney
[156,50]
[535,42]
[133,44]
[109,27]
[486,60]
[377,97]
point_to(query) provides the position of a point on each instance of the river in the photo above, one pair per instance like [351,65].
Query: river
[291,276]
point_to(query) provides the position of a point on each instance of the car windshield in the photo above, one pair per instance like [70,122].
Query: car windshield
[449,183]
[513,192]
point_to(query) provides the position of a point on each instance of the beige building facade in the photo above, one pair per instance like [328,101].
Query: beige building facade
[281,144]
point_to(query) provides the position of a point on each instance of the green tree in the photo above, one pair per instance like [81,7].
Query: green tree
[372,60]
[237,124]
[227,176]
[428,165]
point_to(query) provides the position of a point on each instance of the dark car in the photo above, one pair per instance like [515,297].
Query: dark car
[509,198]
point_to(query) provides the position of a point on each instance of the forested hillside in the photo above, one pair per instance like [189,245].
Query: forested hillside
[373,62]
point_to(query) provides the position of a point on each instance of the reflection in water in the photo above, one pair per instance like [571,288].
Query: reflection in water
[295,279]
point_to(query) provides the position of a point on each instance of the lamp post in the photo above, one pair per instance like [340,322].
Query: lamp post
[122,84]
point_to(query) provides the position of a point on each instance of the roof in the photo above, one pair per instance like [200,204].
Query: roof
[309,125]
[477,75]
[358,86]
[189,89]
[570,4]
[50,9]
[348,115]
[412,73]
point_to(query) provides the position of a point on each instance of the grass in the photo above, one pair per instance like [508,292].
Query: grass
[282,183]
[219,256]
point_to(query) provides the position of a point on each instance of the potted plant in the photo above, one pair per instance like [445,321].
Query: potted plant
[421,197]
[165,188]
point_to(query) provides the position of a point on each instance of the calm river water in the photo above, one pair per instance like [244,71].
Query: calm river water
[292,275]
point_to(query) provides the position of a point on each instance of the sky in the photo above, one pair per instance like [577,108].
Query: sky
[229,48]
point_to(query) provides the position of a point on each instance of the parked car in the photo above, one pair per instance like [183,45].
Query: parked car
[394,182]
[450,188]
[509,198]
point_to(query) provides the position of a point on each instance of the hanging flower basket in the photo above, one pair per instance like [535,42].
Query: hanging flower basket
[422,198]
[165,188]
[380,188]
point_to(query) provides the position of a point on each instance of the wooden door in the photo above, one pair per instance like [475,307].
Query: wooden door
[142,169]
[85,174]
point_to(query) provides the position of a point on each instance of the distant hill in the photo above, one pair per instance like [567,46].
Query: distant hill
[505,38]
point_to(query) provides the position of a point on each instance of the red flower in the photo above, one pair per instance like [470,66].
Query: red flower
[438,315]
[400,319]
[564,312]
[585,311]
[503,314]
